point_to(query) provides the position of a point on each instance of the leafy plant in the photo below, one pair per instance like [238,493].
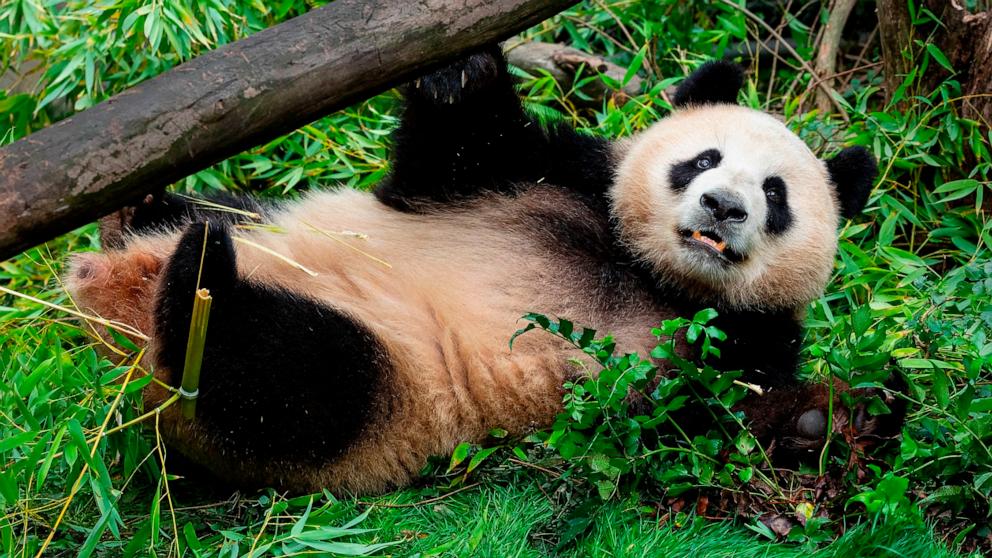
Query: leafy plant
[622,424]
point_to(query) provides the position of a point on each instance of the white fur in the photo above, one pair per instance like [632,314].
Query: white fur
[784,271]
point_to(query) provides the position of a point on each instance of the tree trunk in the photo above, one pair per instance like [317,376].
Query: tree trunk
[826,58]
[895,31]
[967,43]
[232,98]
[965,37]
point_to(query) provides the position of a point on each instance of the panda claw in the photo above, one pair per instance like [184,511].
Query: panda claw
[453,83]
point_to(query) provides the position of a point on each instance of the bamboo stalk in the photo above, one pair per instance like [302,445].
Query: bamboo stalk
[190,389]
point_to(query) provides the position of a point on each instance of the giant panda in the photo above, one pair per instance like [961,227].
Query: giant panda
[355,334]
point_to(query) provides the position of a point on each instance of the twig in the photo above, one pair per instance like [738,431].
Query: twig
[331,235]
[123,328]
[861,56]
[165,484]
[753,387]
[826,88]
[649,59]
[273,253]
[533,466]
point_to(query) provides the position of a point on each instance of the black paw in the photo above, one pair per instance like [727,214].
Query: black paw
[461,79]
[794,420]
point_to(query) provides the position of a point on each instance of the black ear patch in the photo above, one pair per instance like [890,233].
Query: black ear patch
[713,82]
[853,172]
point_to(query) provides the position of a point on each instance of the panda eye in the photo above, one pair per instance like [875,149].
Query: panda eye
[685,171]
[774,189]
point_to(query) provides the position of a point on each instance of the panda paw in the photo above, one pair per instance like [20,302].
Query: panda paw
[793,421]
[461,79]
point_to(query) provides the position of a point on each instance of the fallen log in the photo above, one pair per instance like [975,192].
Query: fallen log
[232,98]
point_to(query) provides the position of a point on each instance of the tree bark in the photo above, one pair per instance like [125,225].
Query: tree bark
[826,57]
[232,98]
[895,30]
[967,42]
[964,37]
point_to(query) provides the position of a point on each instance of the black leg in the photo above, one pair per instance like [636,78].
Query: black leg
[283,377]
[464,132]
[764,345]
[794,419]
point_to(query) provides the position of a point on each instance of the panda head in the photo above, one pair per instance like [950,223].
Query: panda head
[726,203]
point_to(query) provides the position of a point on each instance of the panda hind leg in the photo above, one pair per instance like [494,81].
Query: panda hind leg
[284,379]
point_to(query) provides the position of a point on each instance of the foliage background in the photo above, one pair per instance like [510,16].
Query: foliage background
[911,295]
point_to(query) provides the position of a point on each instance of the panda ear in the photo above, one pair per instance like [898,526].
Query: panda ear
[713,82]
[853,172]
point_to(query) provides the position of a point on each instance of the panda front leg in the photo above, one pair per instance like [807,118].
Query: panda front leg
[464,132]
[794,419]
[792,415]
[287,384]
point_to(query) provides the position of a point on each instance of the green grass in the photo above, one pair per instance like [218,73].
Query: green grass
[911,296]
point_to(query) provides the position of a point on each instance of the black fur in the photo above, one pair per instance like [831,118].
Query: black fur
[456,141]
[283,377]
[853,172]
[779,215]
[713,82]
[168,209]
[764,344]
[769,354]
[682,174]
[489,144]
[163,210]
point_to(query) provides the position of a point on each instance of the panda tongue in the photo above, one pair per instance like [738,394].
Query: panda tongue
[700,237]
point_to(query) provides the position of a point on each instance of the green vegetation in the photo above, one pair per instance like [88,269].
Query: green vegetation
[911,296]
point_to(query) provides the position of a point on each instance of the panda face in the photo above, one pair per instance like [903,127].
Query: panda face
[725,201]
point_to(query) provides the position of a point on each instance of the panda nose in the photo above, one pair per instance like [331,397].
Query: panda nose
[724,206]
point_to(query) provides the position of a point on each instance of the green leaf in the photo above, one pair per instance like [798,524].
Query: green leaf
[302,521]
[635,65]
[459,454]
[937,55]
[479,457]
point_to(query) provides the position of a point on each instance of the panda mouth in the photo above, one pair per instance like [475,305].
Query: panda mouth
[711,242]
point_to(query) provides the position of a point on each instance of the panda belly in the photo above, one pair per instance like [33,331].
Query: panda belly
[443,292]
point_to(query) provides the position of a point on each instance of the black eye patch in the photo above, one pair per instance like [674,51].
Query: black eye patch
[779,215]
[685,172]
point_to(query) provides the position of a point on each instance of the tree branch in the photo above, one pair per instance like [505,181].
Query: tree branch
[232,98]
